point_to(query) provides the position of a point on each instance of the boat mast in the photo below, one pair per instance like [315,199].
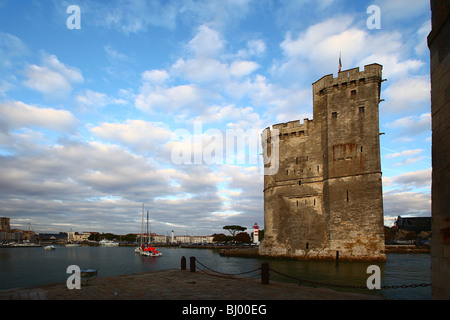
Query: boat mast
[142,225]
[148,234]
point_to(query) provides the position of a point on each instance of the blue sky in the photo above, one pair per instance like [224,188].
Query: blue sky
[90,117]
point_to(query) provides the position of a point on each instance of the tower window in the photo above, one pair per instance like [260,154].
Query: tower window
[334,115]
[362,109]
[361,148]
[347,195]
[353,93]
[299,182]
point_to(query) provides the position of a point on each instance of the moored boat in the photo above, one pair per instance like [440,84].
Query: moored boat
[143,250]
[108,243]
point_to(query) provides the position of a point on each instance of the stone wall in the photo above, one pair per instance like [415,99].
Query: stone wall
[438,42]
[326,198]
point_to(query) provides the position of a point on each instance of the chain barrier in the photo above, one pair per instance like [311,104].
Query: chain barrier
[317,284]
[222,273]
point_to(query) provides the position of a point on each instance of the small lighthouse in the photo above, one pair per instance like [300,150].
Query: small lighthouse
[255,233]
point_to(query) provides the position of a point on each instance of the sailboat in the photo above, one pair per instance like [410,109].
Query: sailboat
[146,250]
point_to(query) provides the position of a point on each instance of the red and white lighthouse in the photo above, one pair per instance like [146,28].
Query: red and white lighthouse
[255,233]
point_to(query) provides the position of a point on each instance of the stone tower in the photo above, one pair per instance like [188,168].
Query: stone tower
[325,201]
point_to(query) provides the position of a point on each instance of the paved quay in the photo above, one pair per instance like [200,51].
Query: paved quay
[179,285]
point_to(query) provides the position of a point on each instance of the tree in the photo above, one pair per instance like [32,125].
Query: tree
[233,229]
[243,237]
[220,237]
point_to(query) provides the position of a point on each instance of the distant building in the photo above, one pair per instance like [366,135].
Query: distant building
[52,237]
[4,224]
[76,237]
[416,224]
[5,229]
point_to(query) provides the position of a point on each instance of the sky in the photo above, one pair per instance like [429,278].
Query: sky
[109,105]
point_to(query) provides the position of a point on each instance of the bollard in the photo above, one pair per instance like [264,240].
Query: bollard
[192,264]
[183,263]
[264,273]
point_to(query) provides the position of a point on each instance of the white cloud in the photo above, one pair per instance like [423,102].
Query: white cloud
[407,194]
[96,99]
[409,161]
[411,126]
[53,78]
[406,204]
[155,76]
[207,43]
[11,47]
[242,68]
[140,135]
[408,94]
[315,52]
[416,179]
[254,48]
[17,115]
[404,153]
[169,99]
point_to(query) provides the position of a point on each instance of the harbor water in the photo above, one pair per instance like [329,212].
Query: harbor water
[25,267]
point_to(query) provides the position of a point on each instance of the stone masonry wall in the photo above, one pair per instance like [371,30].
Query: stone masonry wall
[326,198]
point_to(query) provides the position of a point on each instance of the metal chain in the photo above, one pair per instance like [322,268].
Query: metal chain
[228,274]
[316,284]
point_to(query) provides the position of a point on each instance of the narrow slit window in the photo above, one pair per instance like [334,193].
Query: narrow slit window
[347,195]
[361,148]
[299,182]
[334,115]
[318,170]
[314,201]
[287,172]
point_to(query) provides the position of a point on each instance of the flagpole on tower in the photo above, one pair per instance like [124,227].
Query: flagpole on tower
[340,63]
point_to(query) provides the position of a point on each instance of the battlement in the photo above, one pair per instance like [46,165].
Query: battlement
[372,72]
[291,128]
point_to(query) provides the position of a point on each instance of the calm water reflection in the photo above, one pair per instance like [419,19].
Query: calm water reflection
[22,267]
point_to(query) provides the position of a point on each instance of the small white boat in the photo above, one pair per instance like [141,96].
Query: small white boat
[108,243]
[69,245]
[50,247]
